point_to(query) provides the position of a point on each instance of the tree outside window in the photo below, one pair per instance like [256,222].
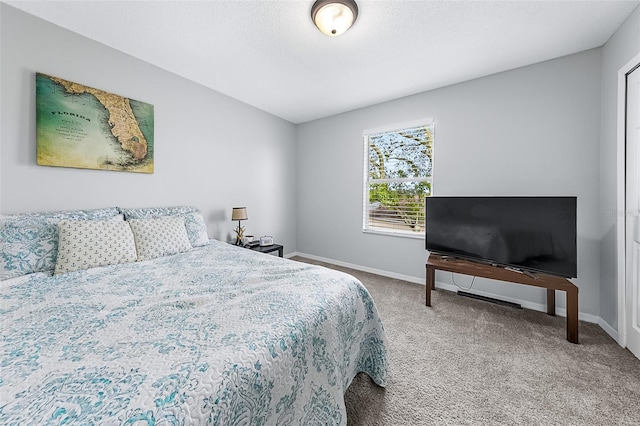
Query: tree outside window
[399,175]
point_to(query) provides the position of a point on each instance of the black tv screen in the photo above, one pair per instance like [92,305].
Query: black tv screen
[536,234]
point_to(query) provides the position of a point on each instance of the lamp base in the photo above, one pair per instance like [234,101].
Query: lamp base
[239,234]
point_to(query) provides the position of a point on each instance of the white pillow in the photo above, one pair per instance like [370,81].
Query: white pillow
[84,244]
[161,236]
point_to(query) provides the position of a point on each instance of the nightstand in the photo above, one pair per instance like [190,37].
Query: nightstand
[268,249]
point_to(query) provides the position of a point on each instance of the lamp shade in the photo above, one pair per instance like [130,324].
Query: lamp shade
[334,17]
[239,213]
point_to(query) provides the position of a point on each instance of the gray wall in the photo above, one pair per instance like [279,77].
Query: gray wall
[530,131]
[533,131]
[207,145]
[619,50]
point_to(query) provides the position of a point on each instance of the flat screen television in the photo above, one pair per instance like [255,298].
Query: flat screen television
[536,234]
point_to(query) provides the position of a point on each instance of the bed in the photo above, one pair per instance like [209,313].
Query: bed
[215,334]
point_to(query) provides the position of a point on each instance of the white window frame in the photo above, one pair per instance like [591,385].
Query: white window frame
[366,182]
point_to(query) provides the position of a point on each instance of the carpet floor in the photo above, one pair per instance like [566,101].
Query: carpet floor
[470,362]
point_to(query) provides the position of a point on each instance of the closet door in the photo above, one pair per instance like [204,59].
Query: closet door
[633,212]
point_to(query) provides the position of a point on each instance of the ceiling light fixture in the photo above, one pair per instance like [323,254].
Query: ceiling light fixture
[334,17]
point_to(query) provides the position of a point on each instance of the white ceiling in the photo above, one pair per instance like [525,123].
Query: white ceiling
[270,55]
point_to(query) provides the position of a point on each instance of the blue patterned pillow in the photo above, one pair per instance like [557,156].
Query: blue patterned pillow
[196,229]
[30,240]
[193,220]
[155,212]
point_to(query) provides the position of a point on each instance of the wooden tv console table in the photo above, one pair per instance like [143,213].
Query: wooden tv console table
[551,283]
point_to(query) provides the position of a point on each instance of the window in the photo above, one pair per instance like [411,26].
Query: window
[398,177]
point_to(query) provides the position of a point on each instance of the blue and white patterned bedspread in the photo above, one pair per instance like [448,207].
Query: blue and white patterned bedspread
[218,335]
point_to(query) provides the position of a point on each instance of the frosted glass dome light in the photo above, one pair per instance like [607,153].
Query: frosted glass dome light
[334,17]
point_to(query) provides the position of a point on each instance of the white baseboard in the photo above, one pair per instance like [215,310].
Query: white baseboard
[363,268]
[542,307]
[608,329]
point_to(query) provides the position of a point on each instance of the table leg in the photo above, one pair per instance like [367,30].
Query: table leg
[280,251]
[431,280]
[551,301]
[572,315]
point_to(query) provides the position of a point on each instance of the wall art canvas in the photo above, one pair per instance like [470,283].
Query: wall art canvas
[82,127]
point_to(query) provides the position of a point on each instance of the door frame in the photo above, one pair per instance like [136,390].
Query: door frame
[622,197]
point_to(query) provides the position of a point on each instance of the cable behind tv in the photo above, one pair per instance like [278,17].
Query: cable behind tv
[453,278]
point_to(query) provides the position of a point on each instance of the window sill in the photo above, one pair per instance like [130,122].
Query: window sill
[414,236]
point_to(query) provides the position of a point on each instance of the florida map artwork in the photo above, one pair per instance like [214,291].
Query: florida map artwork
[82,127]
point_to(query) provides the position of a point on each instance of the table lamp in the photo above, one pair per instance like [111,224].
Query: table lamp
[239,214]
